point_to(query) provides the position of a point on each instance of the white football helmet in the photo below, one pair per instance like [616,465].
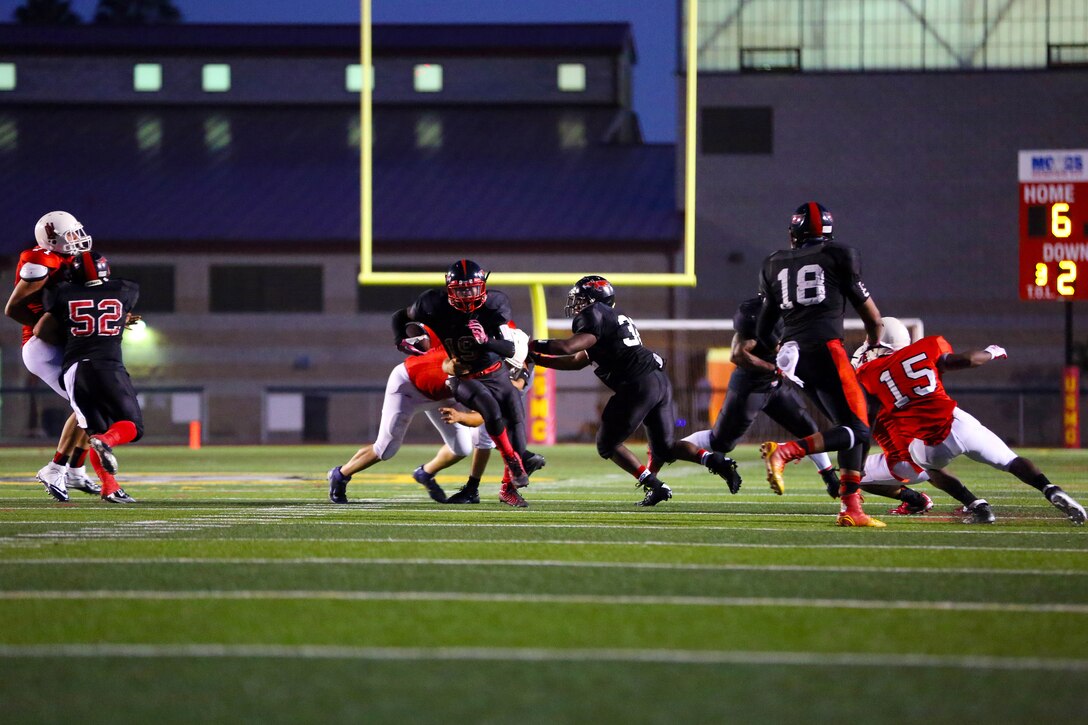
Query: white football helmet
[60,232]
[896,336]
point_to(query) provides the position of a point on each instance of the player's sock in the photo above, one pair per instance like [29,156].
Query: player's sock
[120,433]
[822,461]
[473,482]
[1050,489]
[61,459]
[805,444]
[849,482]
[109,483]
[79,457]
[502,440]
[643,473]
[1041,482]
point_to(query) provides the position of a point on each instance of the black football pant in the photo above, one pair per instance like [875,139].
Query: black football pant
[101,393]
[744,400]
[831,384]
[495,398]
[646,401]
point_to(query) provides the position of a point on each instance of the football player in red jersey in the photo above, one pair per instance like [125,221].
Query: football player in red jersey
[808,287]
[58,236]
[908,384]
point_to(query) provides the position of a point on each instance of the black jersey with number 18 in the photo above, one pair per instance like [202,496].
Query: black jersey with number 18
[618,354]
[810,287]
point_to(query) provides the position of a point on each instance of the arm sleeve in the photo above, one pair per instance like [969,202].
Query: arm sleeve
[850,272]
[768,314]
[588,321]
[400,321]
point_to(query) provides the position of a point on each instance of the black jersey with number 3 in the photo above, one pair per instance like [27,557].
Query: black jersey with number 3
[809,288]
[619,354]
[93,317]
[433,309]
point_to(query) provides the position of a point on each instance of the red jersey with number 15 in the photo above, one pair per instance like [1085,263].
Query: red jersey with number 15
[913,399]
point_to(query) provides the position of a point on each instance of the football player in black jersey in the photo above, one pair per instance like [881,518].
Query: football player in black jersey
[89,317]
[467,317]
[807,287]
[755,386]
[642,393]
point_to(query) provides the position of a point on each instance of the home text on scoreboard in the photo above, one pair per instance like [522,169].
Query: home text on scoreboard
[1054,224]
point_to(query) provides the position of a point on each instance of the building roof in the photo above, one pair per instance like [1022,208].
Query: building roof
[163,178]
[388,39]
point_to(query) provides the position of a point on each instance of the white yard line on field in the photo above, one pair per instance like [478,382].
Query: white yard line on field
[542,563]
[535,654]
[552,599]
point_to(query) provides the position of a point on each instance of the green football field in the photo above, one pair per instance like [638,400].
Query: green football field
[233,591]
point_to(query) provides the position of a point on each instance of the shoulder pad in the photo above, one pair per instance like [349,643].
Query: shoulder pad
[32,272]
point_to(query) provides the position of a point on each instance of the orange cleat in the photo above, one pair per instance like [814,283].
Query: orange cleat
[776,456]
[850,513]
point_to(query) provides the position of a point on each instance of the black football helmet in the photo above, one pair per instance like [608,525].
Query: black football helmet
[466,285]
[89,269]
[589,289]
[810,224]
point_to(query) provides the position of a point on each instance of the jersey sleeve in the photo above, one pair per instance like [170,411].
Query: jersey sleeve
[131,292]
[499,302]
[849,270]
[588,321]
[744,321]
[423,309]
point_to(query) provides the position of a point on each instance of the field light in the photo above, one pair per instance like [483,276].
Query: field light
[139,333]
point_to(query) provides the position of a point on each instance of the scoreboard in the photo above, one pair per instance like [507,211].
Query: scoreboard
[1054,224]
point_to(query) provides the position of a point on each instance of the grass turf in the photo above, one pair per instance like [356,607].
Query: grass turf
[233,591]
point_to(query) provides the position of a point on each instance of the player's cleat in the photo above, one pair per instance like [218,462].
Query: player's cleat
[517,470]
[466,494]
[427,480]
[338,485]
[776,456]
[850,513]
[105,454]
[509,495]
[726,468]
[831,481]
[54,481]
[656,491]
[905,508]
[533,462]
[77,479]
[1068,506]
[979,512]
[118,496]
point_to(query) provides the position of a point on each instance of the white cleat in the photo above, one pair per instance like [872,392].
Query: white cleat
[53,478]
[1068,506]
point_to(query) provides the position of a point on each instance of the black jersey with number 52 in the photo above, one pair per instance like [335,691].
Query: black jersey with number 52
[619,354]
[809,288]
[94,318]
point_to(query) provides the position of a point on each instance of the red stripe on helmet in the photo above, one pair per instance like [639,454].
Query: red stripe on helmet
[815,219]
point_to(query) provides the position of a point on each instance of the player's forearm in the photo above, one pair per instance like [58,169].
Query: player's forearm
[499,346]
[561,362]
[400,321]
[870,317]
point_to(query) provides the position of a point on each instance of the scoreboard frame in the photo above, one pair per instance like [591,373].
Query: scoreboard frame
[1053,224]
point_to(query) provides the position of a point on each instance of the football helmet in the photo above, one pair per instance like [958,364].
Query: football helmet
[810,224]
[60,232]
[466,285]
[589,289]
[90,269]
[896,336]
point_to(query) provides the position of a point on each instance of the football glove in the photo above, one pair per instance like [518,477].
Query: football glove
[410,345]
[996,351]
[478,332]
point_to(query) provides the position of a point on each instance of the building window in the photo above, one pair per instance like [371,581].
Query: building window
[149,134]
[7,76]
[9,134]
[429,132]
[353,78]
[571,77]
[156,285]
[427,78]
[147,77]
[216,78]
[572,132]
[738,130]
[217,133]
[248,288]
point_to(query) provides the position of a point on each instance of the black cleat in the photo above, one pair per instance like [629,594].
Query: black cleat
[831,481]
[726,468]
[656,491]
[979,512]
[533,462]
[466,494]
[427,480]
[517,471]
[118,496]
[105,454]
[338,485]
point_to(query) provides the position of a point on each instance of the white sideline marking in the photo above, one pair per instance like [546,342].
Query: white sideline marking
[542,563]
[534,654]
[79,536]
[592,599]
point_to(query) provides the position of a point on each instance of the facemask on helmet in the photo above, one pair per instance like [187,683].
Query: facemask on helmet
[466,285]
[589,289]
[60,232]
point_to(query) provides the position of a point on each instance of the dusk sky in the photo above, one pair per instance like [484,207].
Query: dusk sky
[654,23]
